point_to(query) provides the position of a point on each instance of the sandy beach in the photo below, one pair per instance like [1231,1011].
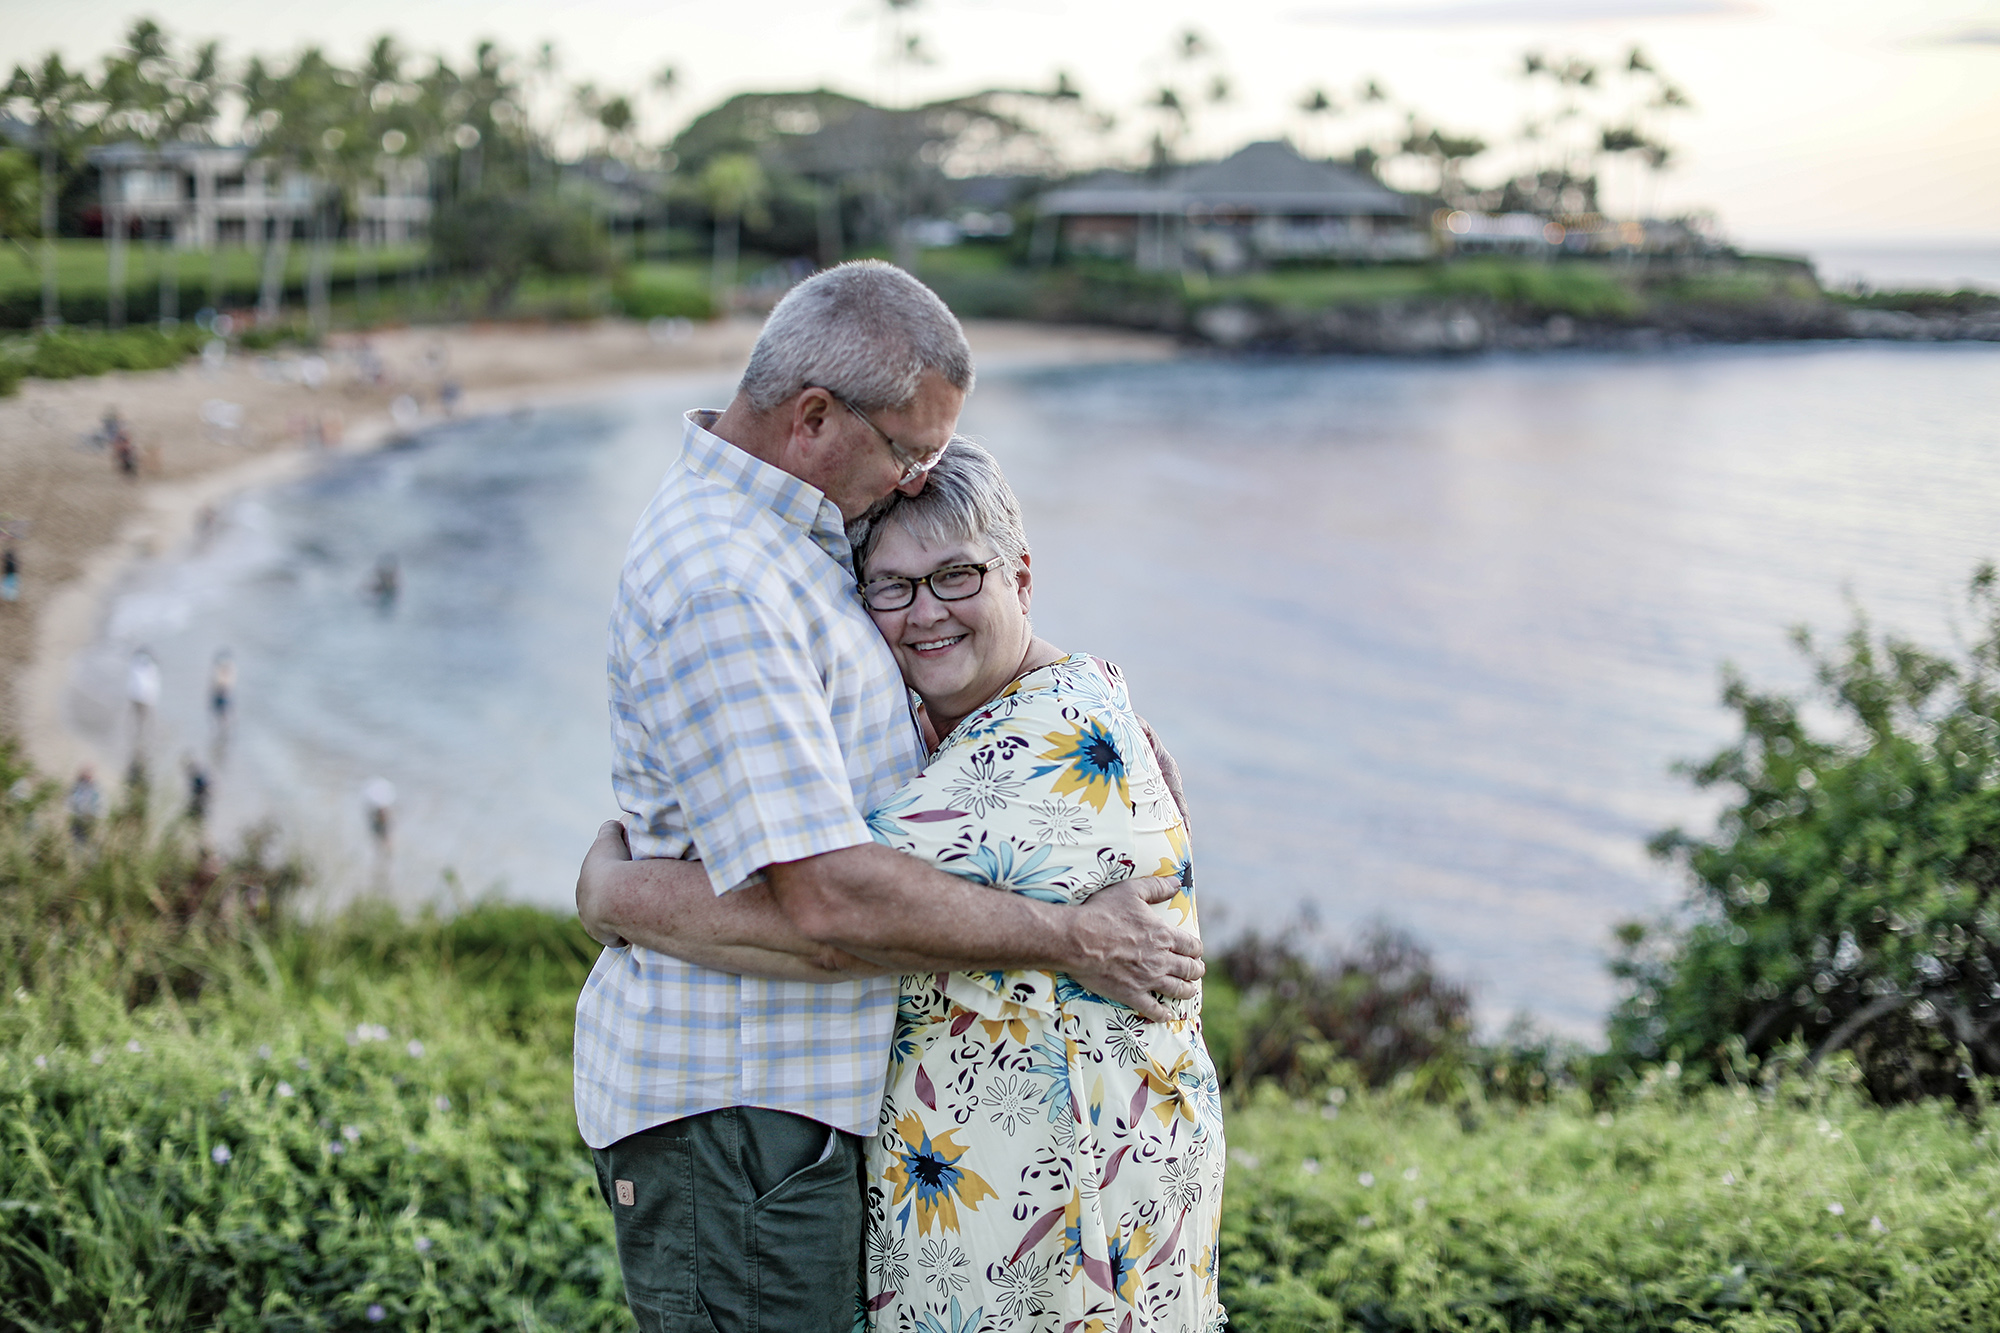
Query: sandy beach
[207,431]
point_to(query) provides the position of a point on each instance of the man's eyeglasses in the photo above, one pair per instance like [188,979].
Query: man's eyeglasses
[953,583]
[912,468]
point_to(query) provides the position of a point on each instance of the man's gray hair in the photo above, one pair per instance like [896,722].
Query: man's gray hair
[965,498]
[865,330]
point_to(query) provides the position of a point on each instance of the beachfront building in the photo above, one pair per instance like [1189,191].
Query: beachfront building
[1266,203]
[201,196]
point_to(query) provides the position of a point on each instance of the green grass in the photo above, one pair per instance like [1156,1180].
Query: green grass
[83,268]
[1751,1211]
[217,1114]
[398,292]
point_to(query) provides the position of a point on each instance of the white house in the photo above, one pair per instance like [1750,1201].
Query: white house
[1261,204]
[200,196]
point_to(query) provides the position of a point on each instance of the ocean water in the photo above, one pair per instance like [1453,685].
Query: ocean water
[1427,637]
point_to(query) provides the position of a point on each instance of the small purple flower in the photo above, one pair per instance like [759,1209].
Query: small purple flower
[220,1154]
[442,1103]
[416,1049]
[423,1245]
[264,1052]
[134,1047]
[336,1147]
[376,1314]
[284,1088]
[352,1133]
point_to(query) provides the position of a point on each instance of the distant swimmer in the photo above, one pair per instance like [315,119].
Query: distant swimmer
[387,584]
[10,576]
[378,794]
[221,687]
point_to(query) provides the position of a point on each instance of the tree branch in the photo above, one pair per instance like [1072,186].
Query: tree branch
[1880,1007]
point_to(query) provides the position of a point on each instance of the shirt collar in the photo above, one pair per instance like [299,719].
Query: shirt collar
[796,502]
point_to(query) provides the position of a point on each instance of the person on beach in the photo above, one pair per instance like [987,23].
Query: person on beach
[757,714]
[10,575]
[142,689]
[1046,1159]
[85,805]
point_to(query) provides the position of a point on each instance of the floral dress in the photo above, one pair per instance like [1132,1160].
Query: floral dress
[1048,1159]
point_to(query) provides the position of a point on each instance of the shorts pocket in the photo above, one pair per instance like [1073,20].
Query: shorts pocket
[807,1232]
[656,1228]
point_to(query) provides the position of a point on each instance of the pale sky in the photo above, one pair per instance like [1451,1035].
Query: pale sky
[1813,119]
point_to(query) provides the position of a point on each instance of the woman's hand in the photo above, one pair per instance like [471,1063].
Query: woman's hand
[593,888]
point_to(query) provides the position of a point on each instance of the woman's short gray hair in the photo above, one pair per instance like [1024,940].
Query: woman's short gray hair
[965,498]
[865,330]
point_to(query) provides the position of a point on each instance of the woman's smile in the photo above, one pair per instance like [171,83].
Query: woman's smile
[957,651]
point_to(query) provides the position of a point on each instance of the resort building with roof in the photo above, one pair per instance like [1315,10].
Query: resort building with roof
[1263,204]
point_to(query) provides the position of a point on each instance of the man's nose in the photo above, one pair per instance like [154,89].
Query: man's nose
[915,485]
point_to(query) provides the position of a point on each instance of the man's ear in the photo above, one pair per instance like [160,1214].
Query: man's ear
[812,422]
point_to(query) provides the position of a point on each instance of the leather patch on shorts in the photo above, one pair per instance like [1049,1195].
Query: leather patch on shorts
[622,1190]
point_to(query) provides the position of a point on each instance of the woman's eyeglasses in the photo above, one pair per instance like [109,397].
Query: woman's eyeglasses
[953,583]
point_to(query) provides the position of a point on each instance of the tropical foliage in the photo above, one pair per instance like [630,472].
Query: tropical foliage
[216,1113]
[1850,897]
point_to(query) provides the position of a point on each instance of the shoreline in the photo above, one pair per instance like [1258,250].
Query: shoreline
[87,529]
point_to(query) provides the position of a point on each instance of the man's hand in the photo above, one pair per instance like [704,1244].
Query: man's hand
[591,887]
[1129,954]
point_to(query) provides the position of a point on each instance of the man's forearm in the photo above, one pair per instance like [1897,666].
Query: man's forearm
[881,904]
[670,906]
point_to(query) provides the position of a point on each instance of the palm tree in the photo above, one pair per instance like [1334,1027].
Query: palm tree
[1447,154]
[1317,108]
[58,101]
[157,97]
[310,119]
[734,187]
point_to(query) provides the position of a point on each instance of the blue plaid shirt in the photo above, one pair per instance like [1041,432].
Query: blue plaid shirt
[756,716]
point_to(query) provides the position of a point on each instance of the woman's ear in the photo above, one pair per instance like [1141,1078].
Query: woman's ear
[1024,584]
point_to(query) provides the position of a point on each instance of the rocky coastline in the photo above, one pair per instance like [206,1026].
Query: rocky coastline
[1458,326]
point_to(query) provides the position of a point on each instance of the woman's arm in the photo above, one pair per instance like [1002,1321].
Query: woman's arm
[670,907]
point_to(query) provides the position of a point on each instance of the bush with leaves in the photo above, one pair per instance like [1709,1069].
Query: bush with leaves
[1850,898]
[215,1114]
[1366,1014]
[498,238]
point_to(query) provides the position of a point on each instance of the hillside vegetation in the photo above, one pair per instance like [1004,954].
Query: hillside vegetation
[215,1113]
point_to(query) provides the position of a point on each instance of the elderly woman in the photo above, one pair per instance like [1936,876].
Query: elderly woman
[1047,1159]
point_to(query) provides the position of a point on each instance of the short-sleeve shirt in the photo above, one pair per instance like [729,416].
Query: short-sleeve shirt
[756,715]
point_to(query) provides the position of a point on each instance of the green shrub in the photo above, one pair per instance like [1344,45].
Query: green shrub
[498,238]
[655,291]
[278,1155]
[1364,1016]
[71,353]
[263,337]
[1850,897]
[1801,1208]
[215,1114]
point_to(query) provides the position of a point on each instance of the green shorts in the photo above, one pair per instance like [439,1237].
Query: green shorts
[742,1220]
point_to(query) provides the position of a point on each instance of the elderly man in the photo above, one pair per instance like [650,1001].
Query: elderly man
[757,717]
